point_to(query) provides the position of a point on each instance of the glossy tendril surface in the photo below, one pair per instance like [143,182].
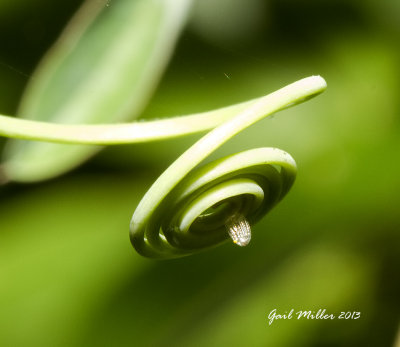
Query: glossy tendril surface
[189,209]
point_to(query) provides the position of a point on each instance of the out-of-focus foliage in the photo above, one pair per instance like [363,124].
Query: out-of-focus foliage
[103,69]
[70,277]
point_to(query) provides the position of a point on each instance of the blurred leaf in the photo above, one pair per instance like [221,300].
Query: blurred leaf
[68,275]
[102,70]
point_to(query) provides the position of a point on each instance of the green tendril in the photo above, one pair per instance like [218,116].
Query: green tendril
[188,209]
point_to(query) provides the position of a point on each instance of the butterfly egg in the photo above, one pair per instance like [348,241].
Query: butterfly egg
[239,230]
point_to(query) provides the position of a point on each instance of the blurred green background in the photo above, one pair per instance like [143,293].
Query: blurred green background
[68,274]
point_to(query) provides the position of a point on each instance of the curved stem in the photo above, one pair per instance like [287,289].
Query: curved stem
[155,228]
[115,134]
[161,224]
[287,96]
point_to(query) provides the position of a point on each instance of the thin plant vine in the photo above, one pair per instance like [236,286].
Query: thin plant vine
[188,209]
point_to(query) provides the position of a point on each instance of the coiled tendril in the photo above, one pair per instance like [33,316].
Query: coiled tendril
[188,209]
[195,213]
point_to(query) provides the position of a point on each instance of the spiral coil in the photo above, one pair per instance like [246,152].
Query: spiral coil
[188,210]
[194,215]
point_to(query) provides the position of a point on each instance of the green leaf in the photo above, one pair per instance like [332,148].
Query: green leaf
[103,69]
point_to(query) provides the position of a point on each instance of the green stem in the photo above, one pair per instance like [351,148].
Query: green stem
[170,220]
[151,238]
[117,134]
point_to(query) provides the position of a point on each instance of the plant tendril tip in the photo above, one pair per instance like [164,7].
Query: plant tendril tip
[189,209]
